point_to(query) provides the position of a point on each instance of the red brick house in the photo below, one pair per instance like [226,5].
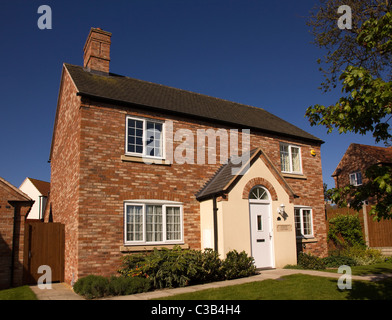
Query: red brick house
[14,207]
[351,170]
[128,173]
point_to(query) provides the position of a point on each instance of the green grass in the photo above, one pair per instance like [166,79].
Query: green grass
[19,293]
[294,287]
[379,268]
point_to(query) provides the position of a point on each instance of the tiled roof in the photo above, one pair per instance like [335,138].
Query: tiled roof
[42,186]
[379,154]
[120,89]
[18,195]
[224,179]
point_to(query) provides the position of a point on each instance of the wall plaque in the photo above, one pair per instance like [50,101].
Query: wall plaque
[284,227]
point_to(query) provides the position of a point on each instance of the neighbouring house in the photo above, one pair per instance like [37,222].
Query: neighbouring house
[37,190]
[130,171]
[14,206]
[351,170]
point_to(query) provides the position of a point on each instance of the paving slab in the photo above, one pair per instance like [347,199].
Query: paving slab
[63,291]
[59,291]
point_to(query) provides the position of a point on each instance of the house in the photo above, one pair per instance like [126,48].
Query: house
[37,190]
[14,206]
[131,171]
[351,170]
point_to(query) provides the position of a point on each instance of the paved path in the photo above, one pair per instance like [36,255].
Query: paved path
[62,291]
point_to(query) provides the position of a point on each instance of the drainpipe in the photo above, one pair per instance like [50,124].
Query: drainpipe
[215,214]
[13,249]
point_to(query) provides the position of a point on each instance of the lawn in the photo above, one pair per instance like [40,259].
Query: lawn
[379,268]
[19,293]
[294,287]
[301,287]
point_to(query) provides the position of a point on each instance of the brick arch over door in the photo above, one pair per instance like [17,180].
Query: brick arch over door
[259,181]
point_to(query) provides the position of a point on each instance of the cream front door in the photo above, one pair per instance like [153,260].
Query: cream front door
[261,234]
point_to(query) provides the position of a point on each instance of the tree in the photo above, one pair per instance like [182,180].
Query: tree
[366,106]
[341,46]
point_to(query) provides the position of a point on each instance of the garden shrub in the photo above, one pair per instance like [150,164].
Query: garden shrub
[309,261]
[92,286]
[345,231]
[363,256]
[128,285]
[177,267]
[238,265]
[335,261]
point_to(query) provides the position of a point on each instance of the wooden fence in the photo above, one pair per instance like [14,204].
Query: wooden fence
[379,233]
[43,245]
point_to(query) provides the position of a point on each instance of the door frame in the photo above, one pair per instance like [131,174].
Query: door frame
[270,224]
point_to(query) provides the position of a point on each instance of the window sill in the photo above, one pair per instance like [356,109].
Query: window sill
[294,176]
[139,248]
[126,158]
[307,240]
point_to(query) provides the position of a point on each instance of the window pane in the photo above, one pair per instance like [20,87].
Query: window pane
[259,223]
[359,178]
[134,223]
[295,159]
[297,217]
[307,221]
[258,193]
[154,223]
[284,158]
[135,136]
[154,139]
[173,223]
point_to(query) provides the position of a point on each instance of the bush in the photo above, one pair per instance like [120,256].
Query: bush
[238,265]
[123,286]
[335,261]
[363,256]
[177,267]
[308,261]
[345,231]
[92,286]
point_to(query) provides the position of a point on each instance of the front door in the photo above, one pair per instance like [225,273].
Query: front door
[261,234]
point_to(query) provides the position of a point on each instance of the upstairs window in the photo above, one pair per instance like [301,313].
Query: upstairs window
[290,158]
[144,137]
[356,179]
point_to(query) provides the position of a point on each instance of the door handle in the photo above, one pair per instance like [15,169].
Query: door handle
[260,240]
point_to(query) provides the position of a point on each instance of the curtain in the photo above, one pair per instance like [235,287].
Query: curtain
[173,223]
[295,159]
[134,223]
[154,223]
[284,158]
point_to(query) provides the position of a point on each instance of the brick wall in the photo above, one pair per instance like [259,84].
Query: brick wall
[90,181]
[11,239]
[352,161]
[65,171]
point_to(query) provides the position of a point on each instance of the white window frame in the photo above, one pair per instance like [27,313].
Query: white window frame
[144,139]
[301,208]
[290,146]
[164,204]
[355,180]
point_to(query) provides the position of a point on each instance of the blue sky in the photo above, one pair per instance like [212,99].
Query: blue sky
[249,51]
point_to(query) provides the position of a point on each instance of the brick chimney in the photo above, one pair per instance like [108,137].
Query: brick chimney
[97,50]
